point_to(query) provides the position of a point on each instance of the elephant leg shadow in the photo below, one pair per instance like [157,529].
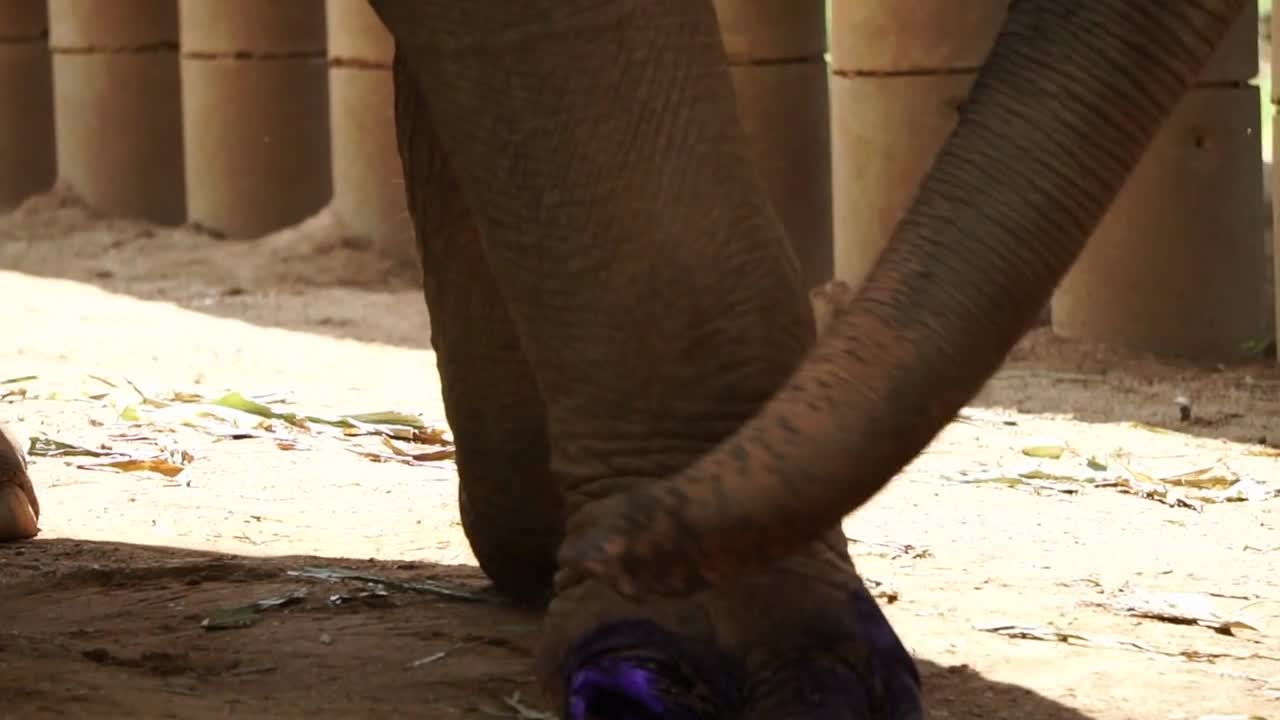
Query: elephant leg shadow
[959,692]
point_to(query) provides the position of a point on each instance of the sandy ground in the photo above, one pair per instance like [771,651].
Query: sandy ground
[1007,574]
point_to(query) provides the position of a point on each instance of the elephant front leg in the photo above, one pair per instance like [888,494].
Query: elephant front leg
[651,284]
[511,508]
[654,294]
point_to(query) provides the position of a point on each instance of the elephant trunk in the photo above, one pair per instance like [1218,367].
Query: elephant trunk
[1070,97]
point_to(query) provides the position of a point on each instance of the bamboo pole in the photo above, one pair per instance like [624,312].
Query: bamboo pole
[1176,265]
[368,185]
[28,163]
[776,52]
[255,113]
[117,116]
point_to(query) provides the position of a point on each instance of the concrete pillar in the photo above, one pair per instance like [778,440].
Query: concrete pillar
[368,184]
[1275,189]
[899,73]
[117,112]
[1176,265]
[776,50]
[255,113]
[28,164]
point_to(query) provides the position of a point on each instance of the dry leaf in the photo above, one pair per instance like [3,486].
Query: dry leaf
[212,418]
[1048,452]
[1051,634]
[403,455]
[170,463]
[432,436]
[49,447]
[1192,489]
[427,587]
[1149,428]
[244,616]
[1177,608]
[1214,477]
[160,464]
[422,456]
[1034,632]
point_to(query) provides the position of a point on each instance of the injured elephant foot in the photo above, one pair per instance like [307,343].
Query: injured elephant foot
[804,639]
[19,508]
[870,676]
[639,670]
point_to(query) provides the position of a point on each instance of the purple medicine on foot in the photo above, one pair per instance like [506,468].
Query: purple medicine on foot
[637,670]
[615,687]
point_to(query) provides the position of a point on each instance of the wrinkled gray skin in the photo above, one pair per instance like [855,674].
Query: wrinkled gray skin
[625,345]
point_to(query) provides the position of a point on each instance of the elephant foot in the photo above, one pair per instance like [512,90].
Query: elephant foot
[19,508]
[814,641]
[893,670]
[871,677]
[801,639]
[604,656]
[638,670]
[17,517]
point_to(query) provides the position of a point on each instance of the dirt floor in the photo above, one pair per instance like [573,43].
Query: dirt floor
[1038,558]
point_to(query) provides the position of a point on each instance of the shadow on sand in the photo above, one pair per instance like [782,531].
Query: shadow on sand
[98,628]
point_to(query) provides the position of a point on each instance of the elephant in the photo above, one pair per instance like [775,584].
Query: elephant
[653,440]
[19,506]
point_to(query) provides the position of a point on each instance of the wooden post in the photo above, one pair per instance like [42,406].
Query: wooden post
[255,113]
[28,162]
[117,112]
[368,185]
[900,71]
[1175,267]
[776,50]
